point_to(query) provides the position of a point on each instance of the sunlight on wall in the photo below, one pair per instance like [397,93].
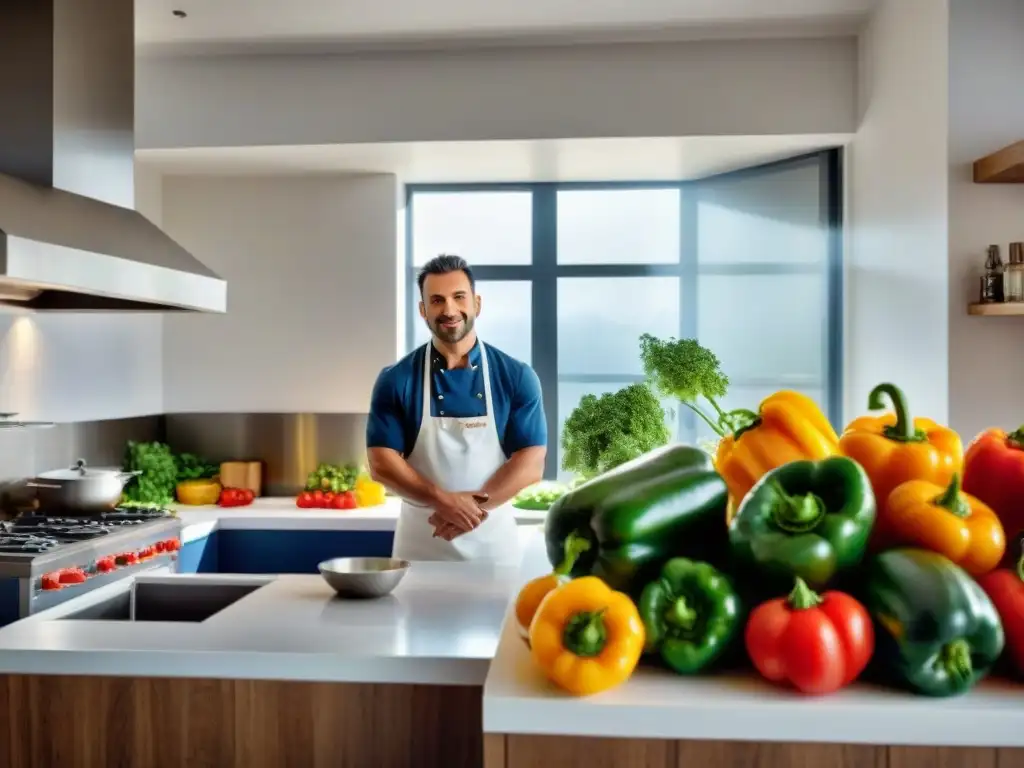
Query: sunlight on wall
[20,354]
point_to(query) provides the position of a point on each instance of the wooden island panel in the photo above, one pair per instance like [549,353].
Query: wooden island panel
[119,722]
[527,751]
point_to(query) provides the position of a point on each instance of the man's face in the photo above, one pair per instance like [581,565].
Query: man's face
[449,306]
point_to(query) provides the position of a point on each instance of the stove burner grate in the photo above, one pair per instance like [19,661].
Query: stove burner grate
[26,543]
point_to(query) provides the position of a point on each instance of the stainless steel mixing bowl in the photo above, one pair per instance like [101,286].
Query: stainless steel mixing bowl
[363,576]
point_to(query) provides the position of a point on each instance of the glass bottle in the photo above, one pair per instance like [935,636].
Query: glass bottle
[993,282]
[1013,277]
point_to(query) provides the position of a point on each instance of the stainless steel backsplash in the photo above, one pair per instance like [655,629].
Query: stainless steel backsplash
[290,445]
[25,452]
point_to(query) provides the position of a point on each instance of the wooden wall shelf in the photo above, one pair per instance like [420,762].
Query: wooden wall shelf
[1003,167]
[1001,310]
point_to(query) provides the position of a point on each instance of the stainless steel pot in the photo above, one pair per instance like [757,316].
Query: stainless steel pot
[79,489]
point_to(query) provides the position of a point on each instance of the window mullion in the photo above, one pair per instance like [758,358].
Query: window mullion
[544,323]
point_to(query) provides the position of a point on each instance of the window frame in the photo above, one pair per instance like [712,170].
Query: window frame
[544,270]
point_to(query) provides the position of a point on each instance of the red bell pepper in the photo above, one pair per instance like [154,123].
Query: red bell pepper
[994,473]
[1005,587]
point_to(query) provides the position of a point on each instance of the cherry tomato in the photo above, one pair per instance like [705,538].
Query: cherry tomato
[816,643]
[304,500]
[51,581]
[345,500]
[329,497]
[247,496]
[72,576]
[318,499]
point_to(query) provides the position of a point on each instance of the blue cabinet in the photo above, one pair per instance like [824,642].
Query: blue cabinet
[256,551]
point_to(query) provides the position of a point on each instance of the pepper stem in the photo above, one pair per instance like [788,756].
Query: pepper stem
[956,658]
[1020,567]
[903,430]
[573,546]
[680,614]
[585,634]
[1017,437]
[796,513]
[803,597]
[951,500]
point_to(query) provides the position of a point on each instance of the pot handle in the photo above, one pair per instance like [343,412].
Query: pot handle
[129,473]
[34,484]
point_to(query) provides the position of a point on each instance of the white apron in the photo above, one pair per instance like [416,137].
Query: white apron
[457,455]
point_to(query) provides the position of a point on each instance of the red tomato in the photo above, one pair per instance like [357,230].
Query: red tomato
[817,644]
[1006,589]
[329,497]
[318,499]
[72,576]
[247,496]
[345,500]
[51,581]
[105,564]
[304,500]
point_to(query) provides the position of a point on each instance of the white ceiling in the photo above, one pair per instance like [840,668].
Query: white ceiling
[232,23]
[633,159]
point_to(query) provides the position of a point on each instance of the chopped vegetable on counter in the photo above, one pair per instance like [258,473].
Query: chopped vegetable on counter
[894,448]
[938,633]
[328,500]
[534,592]
[810,519]
[945,520]
[815,643]
[787,426]
[691,615]
[540,496]
[994,473]
[585,637]
[198,492]
[236,497]
[605,432]
[665,503]
[1005,588]
[368,492]
[333,478]
[159,472]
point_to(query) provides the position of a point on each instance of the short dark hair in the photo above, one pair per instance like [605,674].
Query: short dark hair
[443,265]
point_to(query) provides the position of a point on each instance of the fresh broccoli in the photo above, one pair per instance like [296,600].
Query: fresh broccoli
[603,432]
[684,370]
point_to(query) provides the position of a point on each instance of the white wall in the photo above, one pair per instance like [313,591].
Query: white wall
[697,88]
[986,112]
[897,248]
[311,265]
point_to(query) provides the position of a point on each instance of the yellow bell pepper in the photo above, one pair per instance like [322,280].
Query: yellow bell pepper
[198,492]
[586,637]
[368,493]
[534,591]
[788,426]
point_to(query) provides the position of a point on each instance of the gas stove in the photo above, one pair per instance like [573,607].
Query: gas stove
[58,555]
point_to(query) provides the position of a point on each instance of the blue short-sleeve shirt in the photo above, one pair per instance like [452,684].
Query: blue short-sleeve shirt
[396,406]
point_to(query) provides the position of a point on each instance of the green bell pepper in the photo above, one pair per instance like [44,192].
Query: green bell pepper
[937,632]
[809,519]
[668,502]
[691,615]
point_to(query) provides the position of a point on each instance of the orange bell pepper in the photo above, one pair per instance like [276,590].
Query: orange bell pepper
[788,426]
[894,448]
[533,593]
[946,520]
[586,637]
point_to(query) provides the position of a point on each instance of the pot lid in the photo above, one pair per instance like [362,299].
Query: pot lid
[80,472]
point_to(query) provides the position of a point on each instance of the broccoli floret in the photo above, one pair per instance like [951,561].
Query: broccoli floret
[603,432]
[684,370]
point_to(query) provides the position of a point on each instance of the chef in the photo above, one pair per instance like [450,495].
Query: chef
[456,429]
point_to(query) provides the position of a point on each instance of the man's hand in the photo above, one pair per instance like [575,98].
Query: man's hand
[457,513]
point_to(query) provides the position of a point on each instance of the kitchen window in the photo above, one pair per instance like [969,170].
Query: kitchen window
[748,262]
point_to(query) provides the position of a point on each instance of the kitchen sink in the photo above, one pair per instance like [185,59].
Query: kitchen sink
[169,598]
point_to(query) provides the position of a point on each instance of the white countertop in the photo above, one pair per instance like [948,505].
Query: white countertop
[280,513]
[657,704]
[440,625]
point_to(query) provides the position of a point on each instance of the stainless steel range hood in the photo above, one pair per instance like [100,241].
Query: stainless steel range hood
[70,238]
